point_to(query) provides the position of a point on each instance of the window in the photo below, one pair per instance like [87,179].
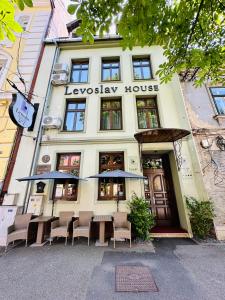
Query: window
[218,94]
[147,113]
[79,73]
[74,116]
[24,21]
[111,114]
[111,188]
[67,189]
[142,68]
[110,69]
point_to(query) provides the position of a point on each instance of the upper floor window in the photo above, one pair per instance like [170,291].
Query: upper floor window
[147,113]
[111,188]
[218,94]
[111,114]
[142,68]
[24,22]
[79,72]
[67,189]
[74,115]
[110,69]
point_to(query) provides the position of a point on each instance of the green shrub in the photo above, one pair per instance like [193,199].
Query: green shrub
[140,217]
[201,216]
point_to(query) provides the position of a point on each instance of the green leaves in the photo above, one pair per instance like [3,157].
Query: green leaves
[201,216]
[8,25]
[140,217]
[190,32]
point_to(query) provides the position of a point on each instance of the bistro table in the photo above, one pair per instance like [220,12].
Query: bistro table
[102,219]
[41,222]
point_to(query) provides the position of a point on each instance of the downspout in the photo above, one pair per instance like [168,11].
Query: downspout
[19,131]
[39,135]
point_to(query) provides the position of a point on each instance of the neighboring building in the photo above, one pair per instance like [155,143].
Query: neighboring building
[20,61]
[103,96]
[206,110]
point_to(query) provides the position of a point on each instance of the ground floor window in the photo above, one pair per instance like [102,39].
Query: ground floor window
[67,163]
[111,188]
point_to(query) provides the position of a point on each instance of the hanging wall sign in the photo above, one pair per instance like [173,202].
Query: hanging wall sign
[21,111]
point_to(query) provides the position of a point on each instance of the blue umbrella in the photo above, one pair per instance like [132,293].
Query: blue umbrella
[51,175]
[118,174]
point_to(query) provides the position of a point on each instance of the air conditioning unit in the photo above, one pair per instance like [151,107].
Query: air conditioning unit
[59,79]
[35,205]
[51,122]
[60,69]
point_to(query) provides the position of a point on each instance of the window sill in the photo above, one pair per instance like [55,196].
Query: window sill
[150,79]
[108,81]
[78,83]
[72,132]
[110,130]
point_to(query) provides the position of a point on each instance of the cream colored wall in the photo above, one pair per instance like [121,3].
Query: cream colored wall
[92,140]
[24,55]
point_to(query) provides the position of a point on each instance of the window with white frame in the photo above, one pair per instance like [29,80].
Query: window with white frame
[218,95]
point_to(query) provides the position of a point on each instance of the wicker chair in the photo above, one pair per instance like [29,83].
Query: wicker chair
[121,227]
[60,227]
[19,230]
[82,227]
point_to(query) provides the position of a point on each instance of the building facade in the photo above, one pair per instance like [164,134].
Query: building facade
[206,110]
[19,62]
[107,110]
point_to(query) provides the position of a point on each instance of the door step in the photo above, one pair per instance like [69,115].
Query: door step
[170,235]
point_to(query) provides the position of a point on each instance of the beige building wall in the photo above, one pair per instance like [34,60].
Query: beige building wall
[92,140]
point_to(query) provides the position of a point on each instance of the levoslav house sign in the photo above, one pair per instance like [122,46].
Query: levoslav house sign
[21,111]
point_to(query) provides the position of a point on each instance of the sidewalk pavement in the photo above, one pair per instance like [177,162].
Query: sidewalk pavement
[181,269]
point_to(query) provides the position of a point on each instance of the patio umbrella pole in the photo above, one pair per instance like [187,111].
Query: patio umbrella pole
[53,204]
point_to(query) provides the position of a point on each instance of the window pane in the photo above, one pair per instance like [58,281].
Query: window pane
[146,72]
[72,105]
[64,160]
[218,91]
[152,119]
[71,190]
[69,124]
[84,66]
[115,74]
[106,74]
[79,121]
[220,105]
[137,73]
[136,63]
[81,105]
[105,120]
[116,120]
[59,191]
[145,62]
[75,76]
[150,102]
[75,160]
[106,104]
[115,104]
[84,76]
[140,103]
[142,120]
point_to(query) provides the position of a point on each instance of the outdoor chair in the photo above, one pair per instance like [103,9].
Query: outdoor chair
[60,227]
[82,226]
[19,230]
[121,227]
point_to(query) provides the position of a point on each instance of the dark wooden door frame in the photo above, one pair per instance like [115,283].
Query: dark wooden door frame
[168,205]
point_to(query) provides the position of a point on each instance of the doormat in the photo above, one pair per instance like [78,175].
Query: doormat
[134,279]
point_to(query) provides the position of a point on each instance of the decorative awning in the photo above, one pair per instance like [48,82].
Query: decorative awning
[50,175]
[161,135]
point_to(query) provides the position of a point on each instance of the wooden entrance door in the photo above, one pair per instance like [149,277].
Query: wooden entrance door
[159,190]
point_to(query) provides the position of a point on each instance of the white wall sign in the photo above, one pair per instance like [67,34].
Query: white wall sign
[21,111]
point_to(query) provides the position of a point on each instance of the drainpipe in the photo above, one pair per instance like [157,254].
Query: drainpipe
[19,131]
[40,131]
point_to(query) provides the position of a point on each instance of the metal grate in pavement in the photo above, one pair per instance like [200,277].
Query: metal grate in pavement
[134,279]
